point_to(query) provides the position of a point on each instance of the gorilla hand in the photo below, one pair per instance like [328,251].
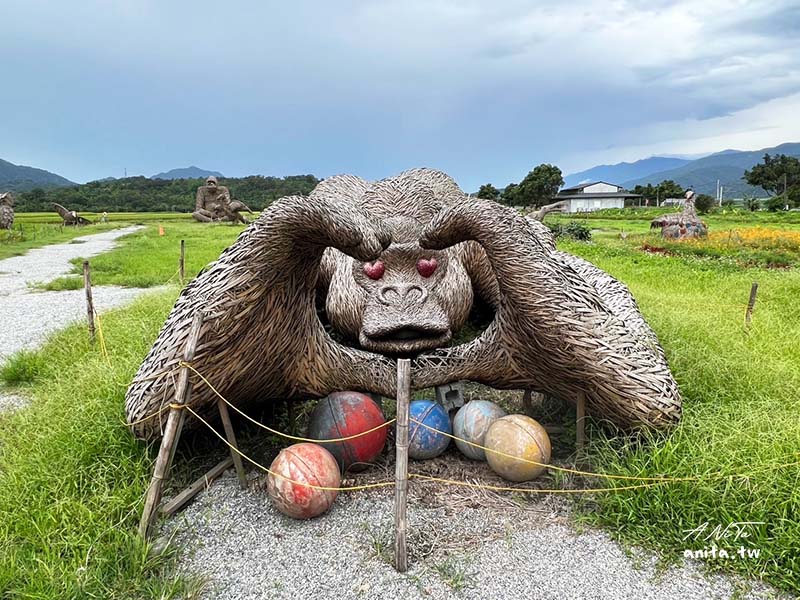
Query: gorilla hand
[552,331]
[262,338]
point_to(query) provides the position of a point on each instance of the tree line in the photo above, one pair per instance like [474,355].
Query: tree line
[141,194]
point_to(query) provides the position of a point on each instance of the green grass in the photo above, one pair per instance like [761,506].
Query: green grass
[741,411]
[72,477]
[145,258]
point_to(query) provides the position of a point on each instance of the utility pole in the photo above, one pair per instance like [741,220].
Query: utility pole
[785,198]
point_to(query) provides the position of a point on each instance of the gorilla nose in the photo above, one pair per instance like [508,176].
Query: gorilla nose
[410,293]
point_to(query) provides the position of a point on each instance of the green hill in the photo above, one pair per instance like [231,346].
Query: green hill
[19,178]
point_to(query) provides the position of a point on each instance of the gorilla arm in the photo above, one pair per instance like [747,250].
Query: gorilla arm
[561,326]
[262,338]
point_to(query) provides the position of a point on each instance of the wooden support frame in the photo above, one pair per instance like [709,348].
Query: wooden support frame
[169,442]
[172,431]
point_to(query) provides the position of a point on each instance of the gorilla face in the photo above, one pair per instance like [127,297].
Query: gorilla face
[410,299]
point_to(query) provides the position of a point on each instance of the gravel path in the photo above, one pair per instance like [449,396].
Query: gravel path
[245,549]
[28,316]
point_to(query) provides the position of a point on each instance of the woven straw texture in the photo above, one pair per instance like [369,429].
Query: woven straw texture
[392,269]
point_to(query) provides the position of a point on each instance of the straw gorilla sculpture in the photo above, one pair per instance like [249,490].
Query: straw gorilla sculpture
[395,268]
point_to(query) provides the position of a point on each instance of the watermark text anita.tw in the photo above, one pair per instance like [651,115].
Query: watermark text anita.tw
[732,539]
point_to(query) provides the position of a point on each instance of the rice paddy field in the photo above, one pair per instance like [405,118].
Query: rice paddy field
[72,478]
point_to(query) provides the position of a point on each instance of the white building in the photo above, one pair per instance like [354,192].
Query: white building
[587,197]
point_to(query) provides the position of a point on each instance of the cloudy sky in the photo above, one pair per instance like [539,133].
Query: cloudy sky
[484,89]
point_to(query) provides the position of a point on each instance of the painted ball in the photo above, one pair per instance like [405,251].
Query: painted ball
[517,437]
[343,414]
[298,473]
[471,423]
[424,443]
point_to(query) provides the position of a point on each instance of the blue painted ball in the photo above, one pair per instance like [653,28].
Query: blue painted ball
[471,423]
[423,443]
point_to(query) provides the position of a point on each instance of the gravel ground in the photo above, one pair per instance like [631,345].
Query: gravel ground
[244,549]
[9,402]
[29,316]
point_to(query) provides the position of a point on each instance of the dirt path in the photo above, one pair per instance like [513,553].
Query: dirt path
[28,316]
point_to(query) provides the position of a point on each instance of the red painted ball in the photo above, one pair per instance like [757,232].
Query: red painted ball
[297,474]
[343,414]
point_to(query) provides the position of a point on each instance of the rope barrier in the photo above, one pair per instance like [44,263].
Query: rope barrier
[650,481]
[275,431]
[554,467]
[497,488]
[353,488]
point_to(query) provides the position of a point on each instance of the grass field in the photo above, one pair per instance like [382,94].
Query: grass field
[71,477]
[34,230]
[146,258]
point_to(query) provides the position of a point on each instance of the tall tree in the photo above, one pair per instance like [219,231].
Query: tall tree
[539,186]
[510,194]
[778,174]
[488,192]
[669,189]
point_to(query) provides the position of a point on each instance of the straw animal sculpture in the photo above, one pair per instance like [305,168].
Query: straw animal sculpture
[394,268]
[70,217]
[6,210]
[682,225]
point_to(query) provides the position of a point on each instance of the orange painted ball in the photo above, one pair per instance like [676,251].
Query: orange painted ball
[297,474]
[516,437]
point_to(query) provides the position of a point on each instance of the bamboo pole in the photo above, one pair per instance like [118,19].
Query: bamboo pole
[401,465]
[87,284]
[580,423]
[172,431]
[182,262]
[228,426]
[751,304]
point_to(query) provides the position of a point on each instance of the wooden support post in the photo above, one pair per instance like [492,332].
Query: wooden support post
[580,423]
[237,459]
[179,501]
[751,304]
[182,262]
[172,431]
[401,465]
[87,283]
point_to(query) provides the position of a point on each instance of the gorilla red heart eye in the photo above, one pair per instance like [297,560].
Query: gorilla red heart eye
[426,267]
[374,270]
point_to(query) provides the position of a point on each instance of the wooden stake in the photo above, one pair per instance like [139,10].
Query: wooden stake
[751,304]
[179,501]
[172,431]
[401,465]
[580,423]
[182,262]
[87,283]
[237,459]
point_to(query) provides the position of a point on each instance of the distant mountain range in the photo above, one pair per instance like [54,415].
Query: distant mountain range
[187,173]
[19,178]
[700,174]
[624,171]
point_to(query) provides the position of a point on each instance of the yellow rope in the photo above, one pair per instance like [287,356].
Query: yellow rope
[294,481]
[554,467]
[497,488]
[101,338]
[653,480]
[275,431]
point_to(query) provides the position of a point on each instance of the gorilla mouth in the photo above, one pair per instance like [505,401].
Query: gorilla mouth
[405,339]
